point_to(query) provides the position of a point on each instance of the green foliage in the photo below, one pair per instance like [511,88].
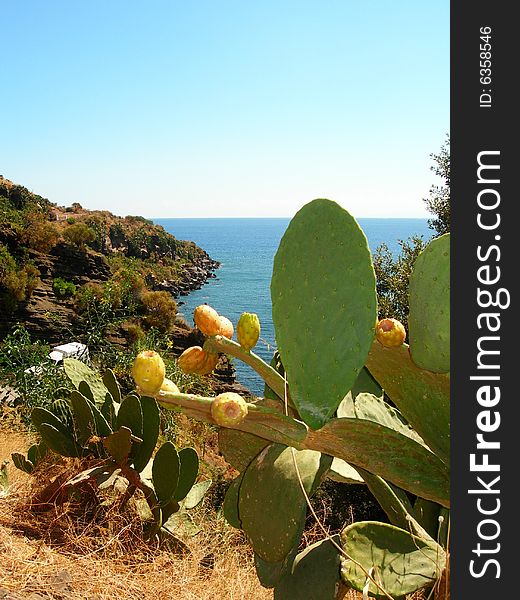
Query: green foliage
[393,272]
[63,288]
[125,443]
[393,276]
[160,310]
[37,387]
[438,201]
[79,235]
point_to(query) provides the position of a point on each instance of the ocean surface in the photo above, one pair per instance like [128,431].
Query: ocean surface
[246,248]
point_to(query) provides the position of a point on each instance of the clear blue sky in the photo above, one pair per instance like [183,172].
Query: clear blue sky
[225,108]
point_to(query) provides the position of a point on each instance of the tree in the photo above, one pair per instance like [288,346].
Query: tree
[393,274]
[438,201]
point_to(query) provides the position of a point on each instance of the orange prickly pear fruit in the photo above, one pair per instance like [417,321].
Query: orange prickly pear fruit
[148,372]
[226,327]
[248,330]
[197,360]
[191,359]
[209,363]
[228,409]
[207,320]
[390,332]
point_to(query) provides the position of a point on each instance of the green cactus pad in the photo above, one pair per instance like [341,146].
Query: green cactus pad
[427,513]
[269,573]
[108,410]
[196,494]
[314,574]
[150,432]
[84,388]
[230,504]
[189,469]
[324,307]
[110,382]
[84,423]
[37,452]
[390,454]
[61,408]
[78,371]
[429,318]
[239,448]
[372,408]
[395,503]
[130,415]
[403,563]
[342,472]
[422,397]
[165,472]
[119,445]
[40,415]
[22,463]
[271,504]
[366,384]
[58,441]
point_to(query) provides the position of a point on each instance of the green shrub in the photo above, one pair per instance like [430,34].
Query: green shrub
[161,310]
[79,235]
[71,220]
[63,288]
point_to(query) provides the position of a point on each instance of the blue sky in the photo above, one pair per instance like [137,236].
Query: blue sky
[225,108]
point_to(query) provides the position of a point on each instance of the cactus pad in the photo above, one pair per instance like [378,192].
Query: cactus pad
[404,563]
[422,397]
[165,472]
[314,573]
[429,319]
[271,504]
[324,307]
[78,371]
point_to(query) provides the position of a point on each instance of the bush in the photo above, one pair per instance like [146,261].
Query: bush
[71,220]
[63,288]
[40,234]
[161,310]
[18,353]
[79,235]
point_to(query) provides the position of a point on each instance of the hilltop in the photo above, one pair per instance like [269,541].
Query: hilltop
[52,257]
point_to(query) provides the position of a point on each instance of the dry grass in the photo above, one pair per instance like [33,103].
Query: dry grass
[70,552]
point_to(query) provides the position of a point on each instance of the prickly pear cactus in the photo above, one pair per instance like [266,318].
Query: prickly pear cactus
[403,563]
[429,319]
[324,307]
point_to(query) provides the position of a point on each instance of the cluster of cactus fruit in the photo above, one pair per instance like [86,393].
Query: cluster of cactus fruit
[344,398]
[116,438]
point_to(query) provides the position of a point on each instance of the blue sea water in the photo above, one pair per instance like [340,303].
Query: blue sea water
[246,248]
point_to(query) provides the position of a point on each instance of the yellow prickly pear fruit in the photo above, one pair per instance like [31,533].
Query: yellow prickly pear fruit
[168,386]
[207,320]
[228,409]
[390,332]
[148,372]
[226,327]
[191,359]
[248,330]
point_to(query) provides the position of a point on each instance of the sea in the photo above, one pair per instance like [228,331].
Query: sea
[246,248]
